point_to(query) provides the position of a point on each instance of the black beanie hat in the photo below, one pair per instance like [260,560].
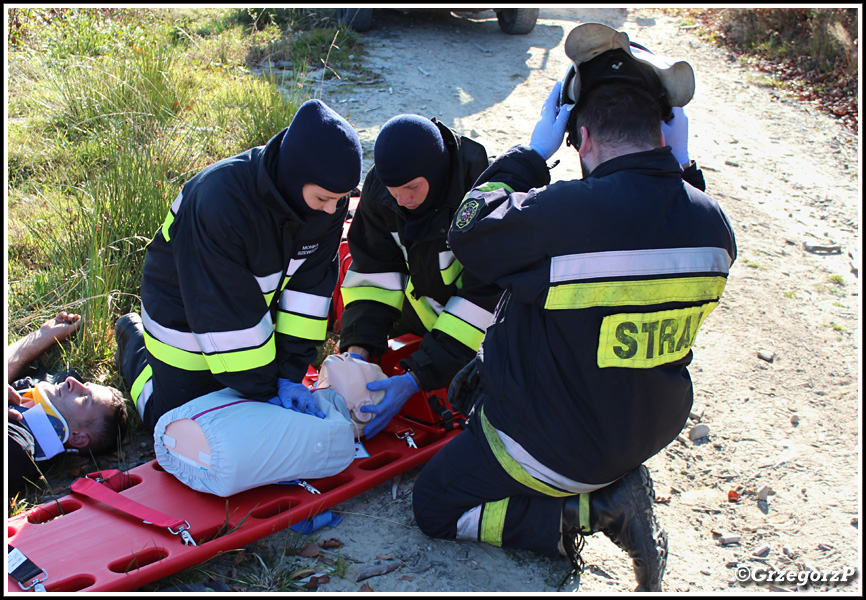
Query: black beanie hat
[321,148]
[409,146]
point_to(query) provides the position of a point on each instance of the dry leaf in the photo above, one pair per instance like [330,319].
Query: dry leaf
[365,588]
[332,543]
[310,550]
[375,570]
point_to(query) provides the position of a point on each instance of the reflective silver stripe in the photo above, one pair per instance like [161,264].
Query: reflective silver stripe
[469,524]
[446,259]
[294,265]
[175,206]
[387,281]
[542,473]
[210,343]
[396,237]
[469,312]
[437,308]
[269,283]
[177,339]
[143,397]
[593,265]
[305,304]
[228,341]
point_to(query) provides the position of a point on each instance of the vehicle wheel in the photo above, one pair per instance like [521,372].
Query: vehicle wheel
[358,19]
[517,21]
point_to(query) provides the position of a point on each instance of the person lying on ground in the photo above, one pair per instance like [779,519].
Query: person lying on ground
[53,413]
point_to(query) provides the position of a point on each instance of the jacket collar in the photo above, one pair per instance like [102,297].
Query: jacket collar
[658,161]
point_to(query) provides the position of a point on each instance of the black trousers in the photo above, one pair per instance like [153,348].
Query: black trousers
[464,475]
[21,466]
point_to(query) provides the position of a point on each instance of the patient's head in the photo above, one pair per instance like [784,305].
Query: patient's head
[349,378]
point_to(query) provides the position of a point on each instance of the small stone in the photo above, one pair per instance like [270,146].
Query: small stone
[764,492]
[729,539]
[788,551]
[762,550]
[795,420]
[767,355]
[696,414]
[698,431]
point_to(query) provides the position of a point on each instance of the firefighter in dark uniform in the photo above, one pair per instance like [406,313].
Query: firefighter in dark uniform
[237,283]
[583,373]
[403,277]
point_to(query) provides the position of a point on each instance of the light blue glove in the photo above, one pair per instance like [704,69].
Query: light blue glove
[676,133]
[297,397]
[550,129]
[398,389]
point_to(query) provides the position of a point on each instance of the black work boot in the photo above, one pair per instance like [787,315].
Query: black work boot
[129,334]
[623,511]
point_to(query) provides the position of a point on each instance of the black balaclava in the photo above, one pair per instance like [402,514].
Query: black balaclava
[321,148]
[409,146]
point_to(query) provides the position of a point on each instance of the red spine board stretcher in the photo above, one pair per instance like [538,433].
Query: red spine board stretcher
[85,545]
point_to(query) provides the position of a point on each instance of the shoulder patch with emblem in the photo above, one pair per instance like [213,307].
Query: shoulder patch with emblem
[466,213]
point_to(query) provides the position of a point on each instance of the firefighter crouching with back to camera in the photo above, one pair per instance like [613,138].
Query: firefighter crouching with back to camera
[582,375]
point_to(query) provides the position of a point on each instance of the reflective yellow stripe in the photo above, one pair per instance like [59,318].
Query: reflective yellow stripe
[460,330]
[302,327]
[269,297]
[427,315]
[393,298]
[511,466]
[646,340]
[494,185]
[583,514]
[138,384]
[450,274]
[175,357]
[639,293]
[493,522]
[169,219]
[242,360]
[222,362]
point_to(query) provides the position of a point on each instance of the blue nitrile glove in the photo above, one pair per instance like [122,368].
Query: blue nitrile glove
[677,135]
[550,129]
[297,397]
[398,389]
[357,356]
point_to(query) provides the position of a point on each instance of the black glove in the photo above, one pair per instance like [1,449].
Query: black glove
[465,388]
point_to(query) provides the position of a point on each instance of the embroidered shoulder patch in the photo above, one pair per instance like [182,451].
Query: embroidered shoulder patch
[466,213]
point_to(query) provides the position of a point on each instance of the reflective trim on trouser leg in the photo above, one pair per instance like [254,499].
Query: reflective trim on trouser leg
[469,524]
[493,522]
[142,389]
[583,513]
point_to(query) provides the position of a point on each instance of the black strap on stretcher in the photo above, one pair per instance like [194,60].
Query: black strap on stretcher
[25,571]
